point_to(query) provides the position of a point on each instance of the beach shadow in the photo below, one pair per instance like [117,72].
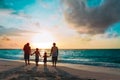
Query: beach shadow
[36,73]
[67,76]
[8,73]
[34,69]
[48,74]
[62,75]
[46,70]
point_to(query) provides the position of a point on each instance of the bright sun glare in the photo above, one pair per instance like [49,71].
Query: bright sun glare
[42,40]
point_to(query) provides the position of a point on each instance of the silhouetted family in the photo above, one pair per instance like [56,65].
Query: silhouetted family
[53,53]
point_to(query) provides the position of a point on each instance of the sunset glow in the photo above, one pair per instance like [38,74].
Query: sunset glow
[69,23]
[43,40]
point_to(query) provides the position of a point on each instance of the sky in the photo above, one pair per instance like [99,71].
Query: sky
[72,24]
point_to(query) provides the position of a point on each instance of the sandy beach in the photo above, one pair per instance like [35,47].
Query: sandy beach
[16,70]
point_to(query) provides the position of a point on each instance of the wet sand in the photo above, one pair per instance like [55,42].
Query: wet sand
[16,70]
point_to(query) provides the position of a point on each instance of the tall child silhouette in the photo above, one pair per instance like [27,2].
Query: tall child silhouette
[37,55]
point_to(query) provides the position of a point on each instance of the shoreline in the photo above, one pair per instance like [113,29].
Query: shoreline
[80,71]
[91,68]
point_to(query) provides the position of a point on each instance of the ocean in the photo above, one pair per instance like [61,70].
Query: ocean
[94,57]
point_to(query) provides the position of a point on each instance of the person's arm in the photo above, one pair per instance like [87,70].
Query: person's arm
[49,55]
[32,53]
[39,54]
[30,50]
[57,51]
[51,51]
[24,48]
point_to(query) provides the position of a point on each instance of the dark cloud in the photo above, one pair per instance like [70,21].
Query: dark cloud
[1,27]
[91,20]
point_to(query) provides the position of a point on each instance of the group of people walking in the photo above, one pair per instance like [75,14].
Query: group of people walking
[53,53]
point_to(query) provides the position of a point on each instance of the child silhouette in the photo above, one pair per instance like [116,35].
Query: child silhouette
[37,54]
[45,59]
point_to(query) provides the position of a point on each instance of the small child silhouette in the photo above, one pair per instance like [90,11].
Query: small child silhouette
[45,59]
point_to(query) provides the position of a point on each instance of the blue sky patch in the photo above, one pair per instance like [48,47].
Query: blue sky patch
[93,3]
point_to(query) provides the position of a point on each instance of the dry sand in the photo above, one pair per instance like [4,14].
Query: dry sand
[16,70]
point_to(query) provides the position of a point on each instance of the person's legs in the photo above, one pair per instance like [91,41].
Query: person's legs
[25,58]
[37,60]
[55,61]
[37,63]
[25,62]
[45,64]
[28,62]
[28,59]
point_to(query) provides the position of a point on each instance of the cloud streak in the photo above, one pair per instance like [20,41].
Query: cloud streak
[91,20]
[13,31]
[4,38]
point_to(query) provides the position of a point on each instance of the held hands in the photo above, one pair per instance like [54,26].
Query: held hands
[50,54]
[40,56]
[31,54]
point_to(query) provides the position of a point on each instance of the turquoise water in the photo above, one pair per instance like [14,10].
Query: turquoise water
[95,57]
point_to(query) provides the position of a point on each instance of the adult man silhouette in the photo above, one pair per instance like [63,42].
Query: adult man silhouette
[27,51]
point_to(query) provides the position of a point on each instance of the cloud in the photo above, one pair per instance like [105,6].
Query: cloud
[4,38]
[91,20]
[8,42]
[1,27]
[13,31]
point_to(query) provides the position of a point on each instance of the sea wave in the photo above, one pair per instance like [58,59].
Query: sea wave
[101,57]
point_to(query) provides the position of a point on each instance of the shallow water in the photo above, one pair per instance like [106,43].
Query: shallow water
[96,57]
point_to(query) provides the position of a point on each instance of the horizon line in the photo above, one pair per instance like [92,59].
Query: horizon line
[65,48]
